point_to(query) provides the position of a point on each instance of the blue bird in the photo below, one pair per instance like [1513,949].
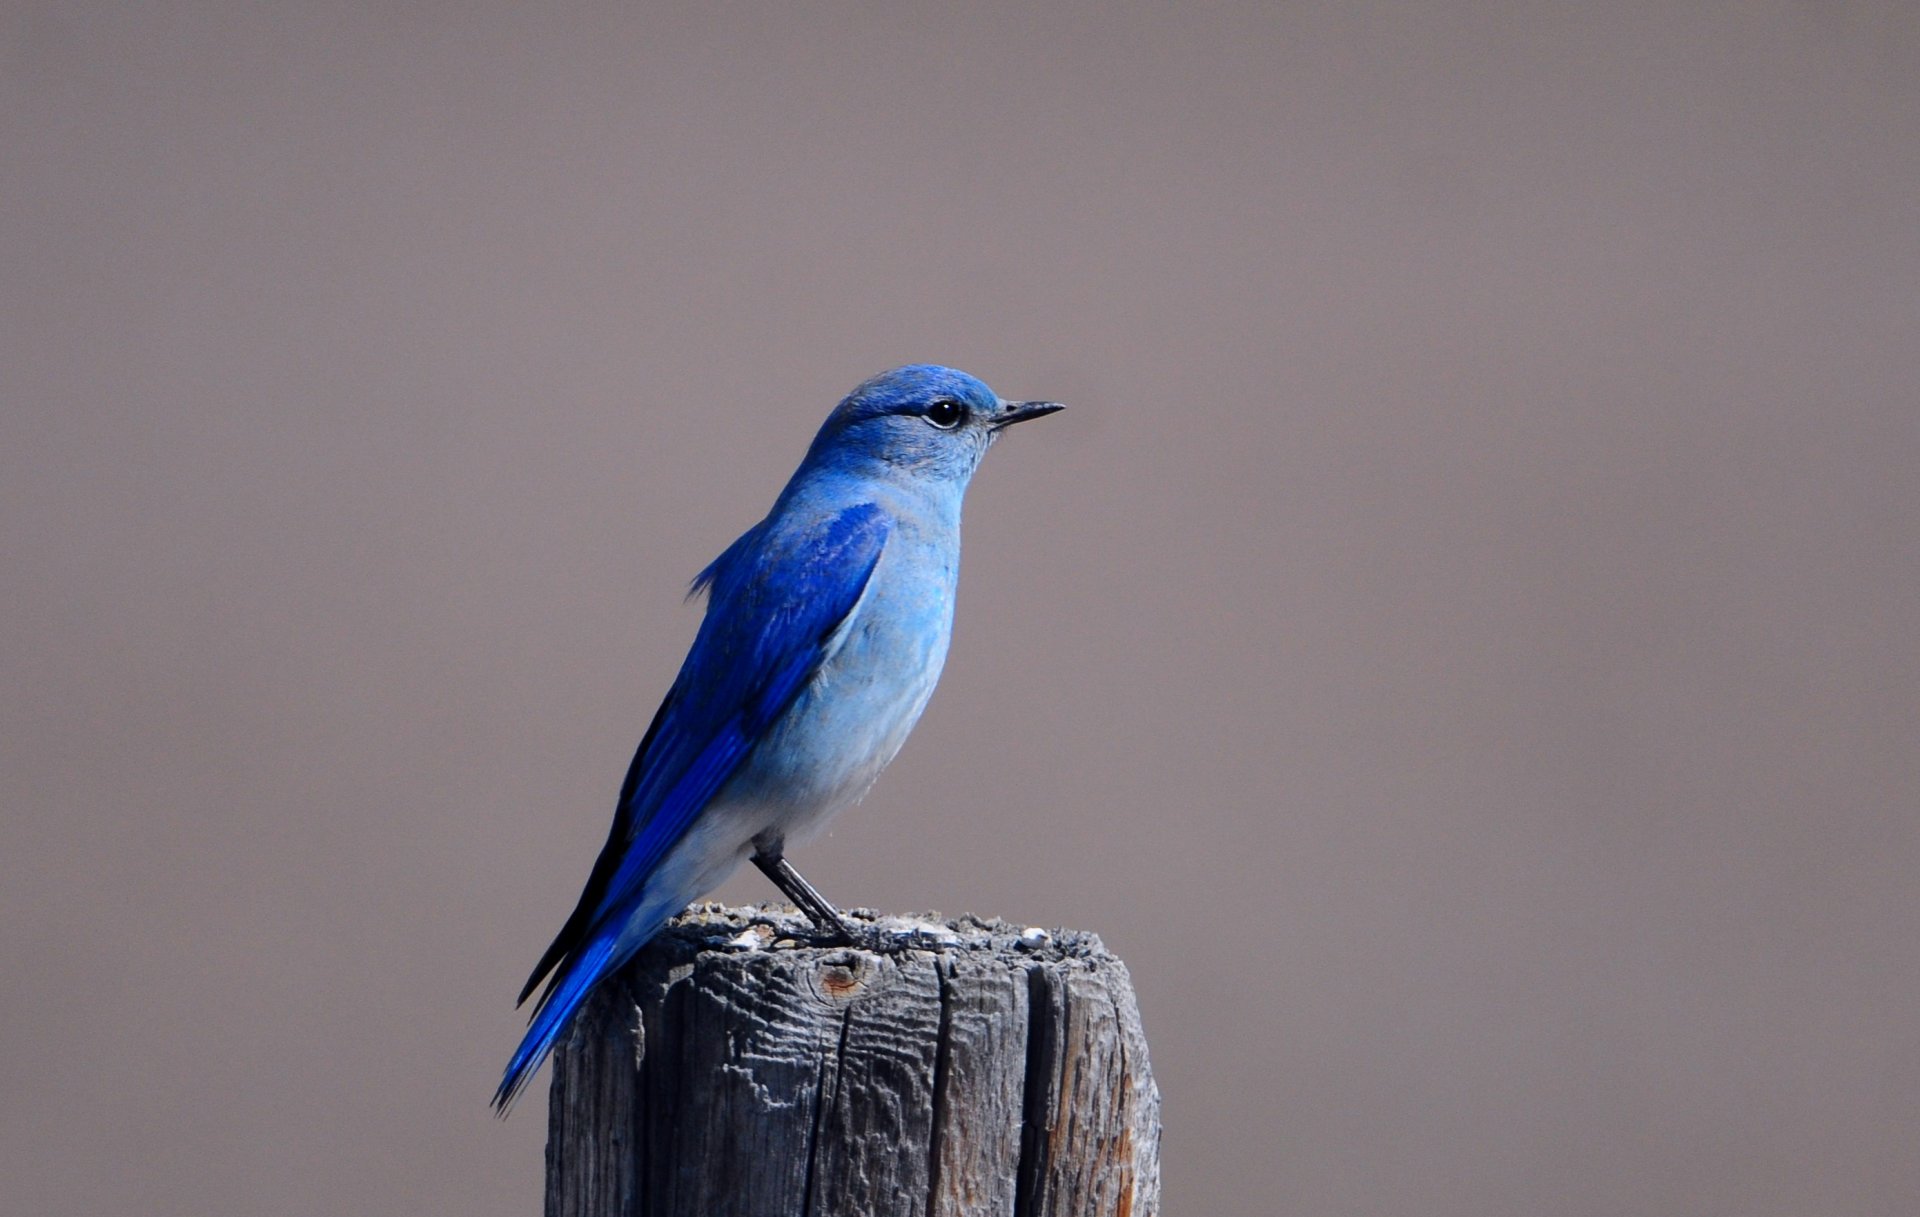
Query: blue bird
[826,627]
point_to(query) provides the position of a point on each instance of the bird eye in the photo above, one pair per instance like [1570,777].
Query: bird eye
[946,415]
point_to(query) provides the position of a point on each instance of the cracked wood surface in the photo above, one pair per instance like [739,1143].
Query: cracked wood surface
[734,1070]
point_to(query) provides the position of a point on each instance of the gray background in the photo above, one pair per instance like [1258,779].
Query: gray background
[1459,647]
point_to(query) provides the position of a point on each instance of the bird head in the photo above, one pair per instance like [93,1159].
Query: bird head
[921,421]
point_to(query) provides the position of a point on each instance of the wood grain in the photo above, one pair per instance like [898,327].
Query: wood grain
[736,1069]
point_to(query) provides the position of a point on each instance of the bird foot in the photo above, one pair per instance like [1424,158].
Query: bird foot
[860,929]
[892,935]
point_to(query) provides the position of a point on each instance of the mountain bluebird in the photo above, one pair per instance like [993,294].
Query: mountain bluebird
[826,627]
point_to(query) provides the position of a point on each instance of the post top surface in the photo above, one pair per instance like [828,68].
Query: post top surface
[779,928]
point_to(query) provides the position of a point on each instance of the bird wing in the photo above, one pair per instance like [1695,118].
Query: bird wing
[775,600]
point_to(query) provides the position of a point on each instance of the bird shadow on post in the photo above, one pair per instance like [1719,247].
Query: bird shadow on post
[733,1068]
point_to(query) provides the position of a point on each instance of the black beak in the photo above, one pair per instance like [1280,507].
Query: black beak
[1011,412]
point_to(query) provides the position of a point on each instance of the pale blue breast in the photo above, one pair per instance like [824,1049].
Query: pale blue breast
[828,748]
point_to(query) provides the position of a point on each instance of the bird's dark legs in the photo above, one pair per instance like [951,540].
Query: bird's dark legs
[805,898]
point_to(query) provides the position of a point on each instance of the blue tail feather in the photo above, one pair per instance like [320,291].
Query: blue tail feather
[551,1016]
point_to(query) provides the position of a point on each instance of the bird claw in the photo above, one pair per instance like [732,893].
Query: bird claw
[892,937]
[897,934]
[861,937]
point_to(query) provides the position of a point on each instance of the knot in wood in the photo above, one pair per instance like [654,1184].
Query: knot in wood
[841,979]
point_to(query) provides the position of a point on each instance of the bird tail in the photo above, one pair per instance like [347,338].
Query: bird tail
[550,1017]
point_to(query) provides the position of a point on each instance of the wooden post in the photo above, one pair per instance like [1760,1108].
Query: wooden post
[732,1069]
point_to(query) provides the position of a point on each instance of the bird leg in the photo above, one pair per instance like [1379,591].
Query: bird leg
[805,897]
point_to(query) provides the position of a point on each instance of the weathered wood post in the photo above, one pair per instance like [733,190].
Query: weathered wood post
[732,1069]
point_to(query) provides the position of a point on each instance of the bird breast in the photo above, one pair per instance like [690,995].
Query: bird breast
[846,725]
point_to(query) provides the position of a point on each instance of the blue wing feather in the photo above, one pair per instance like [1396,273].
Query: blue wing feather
[704,580]
[774,599]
